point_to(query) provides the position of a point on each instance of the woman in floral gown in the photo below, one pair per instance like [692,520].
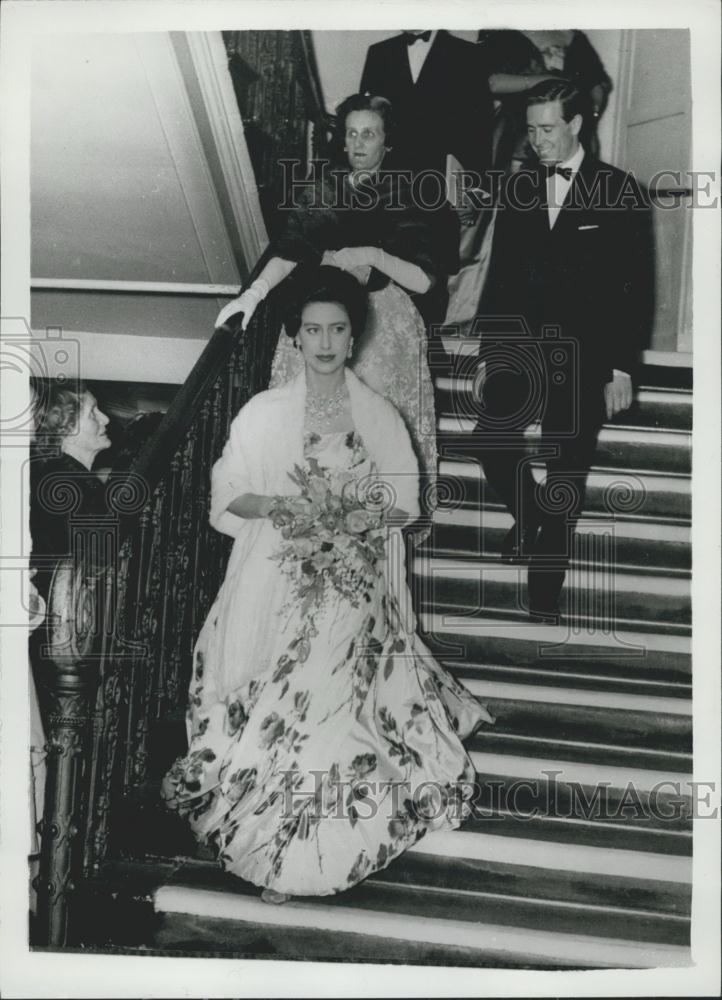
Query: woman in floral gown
[362,219]
[324,737]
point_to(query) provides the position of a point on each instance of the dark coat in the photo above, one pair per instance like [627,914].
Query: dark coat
[330,215]
[591,275]
[447,110]
[65,498]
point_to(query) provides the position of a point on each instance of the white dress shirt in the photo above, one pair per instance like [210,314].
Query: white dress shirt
[558,186]
[418,52]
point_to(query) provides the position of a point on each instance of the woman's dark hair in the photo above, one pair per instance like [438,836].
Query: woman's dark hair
[366,102]
[57,408]
[572,100]
[329,284]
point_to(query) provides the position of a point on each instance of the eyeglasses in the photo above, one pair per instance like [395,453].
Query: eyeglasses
[366,134]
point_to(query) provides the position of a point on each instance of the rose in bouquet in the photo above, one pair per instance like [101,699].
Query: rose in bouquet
[332,537]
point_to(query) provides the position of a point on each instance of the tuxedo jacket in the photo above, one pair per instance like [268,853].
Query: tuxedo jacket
[590,275]
[447,110]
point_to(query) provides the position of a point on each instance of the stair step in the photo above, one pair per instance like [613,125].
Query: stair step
[582,685]
[404,914]
[583,724]
[560,794]
[532,896]
[617,832]
[527,713]
[562,748]
[659,785]
[486,870]
[572,733]
[645,448]
[635,448]
[642,544]
[522,643]
[479,588]
[652,407]
[188,934]
[617,492]
[522,896]
[665,372]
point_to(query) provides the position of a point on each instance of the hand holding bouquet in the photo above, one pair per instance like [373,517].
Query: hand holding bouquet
[332,537]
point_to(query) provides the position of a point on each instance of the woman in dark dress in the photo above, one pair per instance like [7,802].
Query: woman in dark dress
[70,431]
[516,61]
[362,220]
[70,434]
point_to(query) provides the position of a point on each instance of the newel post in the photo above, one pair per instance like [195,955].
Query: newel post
[70,680]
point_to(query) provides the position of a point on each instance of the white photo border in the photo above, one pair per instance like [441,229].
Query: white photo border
[26,973]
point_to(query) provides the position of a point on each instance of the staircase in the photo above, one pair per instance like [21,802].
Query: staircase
[579,855]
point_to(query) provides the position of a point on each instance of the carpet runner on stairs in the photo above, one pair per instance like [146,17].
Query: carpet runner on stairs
[580,850]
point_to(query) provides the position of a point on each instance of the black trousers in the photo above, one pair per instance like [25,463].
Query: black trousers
[523,384]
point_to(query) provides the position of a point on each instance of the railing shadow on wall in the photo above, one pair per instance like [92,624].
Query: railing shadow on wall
[124,614]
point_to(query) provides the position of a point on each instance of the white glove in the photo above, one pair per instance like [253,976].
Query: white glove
[350,258]
[356,260]
[247,303]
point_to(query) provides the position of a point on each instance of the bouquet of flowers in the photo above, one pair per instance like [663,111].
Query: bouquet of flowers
[332,537]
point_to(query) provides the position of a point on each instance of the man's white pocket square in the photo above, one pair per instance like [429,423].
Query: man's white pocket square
[587,227]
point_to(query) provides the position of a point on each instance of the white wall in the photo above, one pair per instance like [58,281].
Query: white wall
[608,46]
[656,134]
[112,164]
[121,191]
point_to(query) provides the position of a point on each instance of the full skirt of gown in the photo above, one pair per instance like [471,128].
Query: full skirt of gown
[343,748]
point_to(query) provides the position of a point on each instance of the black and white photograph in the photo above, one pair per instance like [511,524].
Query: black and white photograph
[360,451]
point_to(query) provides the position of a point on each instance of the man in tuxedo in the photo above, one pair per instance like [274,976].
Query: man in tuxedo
[440,97]
[565,311]
[442,105]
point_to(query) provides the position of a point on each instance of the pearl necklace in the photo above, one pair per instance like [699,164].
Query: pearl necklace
[327,407]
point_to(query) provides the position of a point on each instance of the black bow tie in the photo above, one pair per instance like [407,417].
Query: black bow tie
[565,172]
[409,37]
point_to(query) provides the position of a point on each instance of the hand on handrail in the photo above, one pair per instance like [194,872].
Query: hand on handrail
[246,303]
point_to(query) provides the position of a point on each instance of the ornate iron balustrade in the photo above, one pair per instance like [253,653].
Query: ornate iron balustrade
[119,650]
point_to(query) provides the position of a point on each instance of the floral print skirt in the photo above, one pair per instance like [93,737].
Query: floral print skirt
[340,753]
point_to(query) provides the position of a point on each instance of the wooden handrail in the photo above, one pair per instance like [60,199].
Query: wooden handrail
[183,288]
[152,461]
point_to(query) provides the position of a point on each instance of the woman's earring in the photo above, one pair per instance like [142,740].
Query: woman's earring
[295,342]
[349,352]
